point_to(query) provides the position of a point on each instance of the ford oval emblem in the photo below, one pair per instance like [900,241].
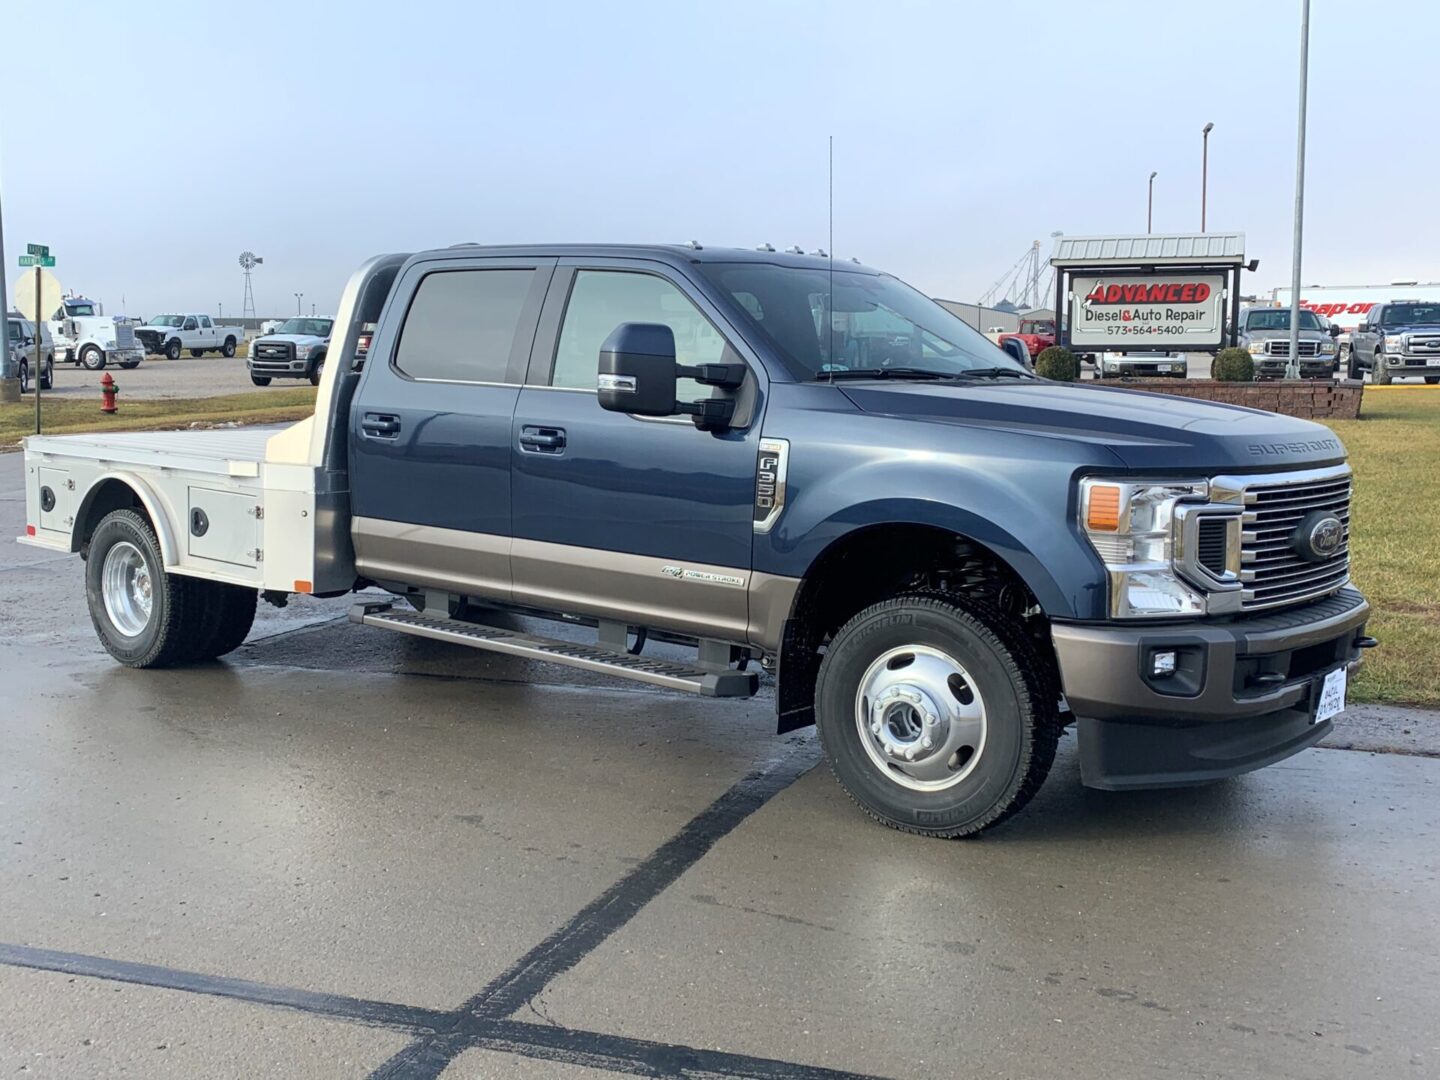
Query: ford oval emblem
[1318,536]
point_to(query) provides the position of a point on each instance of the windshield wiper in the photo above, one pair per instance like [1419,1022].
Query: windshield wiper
[883,373]
[994,373]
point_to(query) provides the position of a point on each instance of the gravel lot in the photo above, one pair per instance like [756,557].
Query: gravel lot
[188,377]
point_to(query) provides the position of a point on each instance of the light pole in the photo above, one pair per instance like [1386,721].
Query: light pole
[219,309]
[312,311]
[1204,169]
[298,295]
[1292,367]
[1150,203]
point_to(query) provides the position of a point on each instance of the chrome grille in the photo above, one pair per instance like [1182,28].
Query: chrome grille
[1271,573]
[1281,347]
[124,336]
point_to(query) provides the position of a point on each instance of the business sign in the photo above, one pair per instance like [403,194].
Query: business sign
[1347,305]
[1125,311]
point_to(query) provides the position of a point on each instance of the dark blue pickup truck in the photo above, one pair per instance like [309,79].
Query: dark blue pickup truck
[783,463]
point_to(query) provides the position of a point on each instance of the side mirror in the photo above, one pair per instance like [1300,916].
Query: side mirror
[638,372]
[1363,328]
[1334,330]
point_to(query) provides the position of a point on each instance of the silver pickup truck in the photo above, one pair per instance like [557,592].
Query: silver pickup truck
[1266,333]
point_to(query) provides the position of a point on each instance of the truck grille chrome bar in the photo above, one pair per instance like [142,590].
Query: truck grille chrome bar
[1273,571]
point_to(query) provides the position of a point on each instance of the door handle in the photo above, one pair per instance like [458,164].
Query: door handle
[542,440]
[380,426]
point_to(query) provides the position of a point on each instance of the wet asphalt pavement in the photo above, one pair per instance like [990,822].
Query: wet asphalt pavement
[343,853]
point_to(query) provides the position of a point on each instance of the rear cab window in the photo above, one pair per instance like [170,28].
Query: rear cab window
[462,326]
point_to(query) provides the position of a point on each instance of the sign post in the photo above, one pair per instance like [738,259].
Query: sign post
[38,256]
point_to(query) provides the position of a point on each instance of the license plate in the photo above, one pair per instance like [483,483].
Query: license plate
[1163,367]
[1332,696]
[1432,361]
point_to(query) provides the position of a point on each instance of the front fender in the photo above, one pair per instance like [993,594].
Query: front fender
[1023,511]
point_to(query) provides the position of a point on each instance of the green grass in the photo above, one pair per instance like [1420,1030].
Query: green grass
[68,417]
[1395,540]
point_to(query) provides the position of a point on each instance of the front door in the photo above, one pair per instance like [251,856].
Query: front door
[639,520]
[430,425]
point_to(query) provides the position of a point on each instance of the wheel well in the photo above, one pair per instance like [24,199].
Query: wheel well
[102,499]
[879,562]
[229,339]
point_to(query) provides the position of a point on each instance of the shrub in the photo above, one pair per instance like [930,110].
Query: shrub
[1232,365]
[1057,363]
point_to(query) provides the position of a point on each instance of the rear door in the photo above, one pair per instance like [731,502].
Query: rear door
[636,519]
[430,424]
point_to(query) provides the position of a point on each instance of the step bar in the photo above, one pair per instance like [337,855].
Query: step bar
[691,678]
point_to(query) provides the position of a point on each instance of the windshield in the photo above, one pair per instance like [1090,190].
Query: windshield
[79,310]
[310,327]
[875,322]
[1279,319]
[167,320]
[1411,315]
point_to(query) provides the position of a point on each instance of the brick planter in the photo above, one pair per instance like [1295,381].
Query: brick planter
[1309,399]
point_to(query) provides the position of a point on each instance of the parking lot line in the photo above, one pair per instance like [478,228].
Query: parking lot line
[483,1022]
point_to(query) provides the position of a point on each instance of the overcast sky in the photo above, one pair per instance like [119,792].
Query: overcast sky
[149,143]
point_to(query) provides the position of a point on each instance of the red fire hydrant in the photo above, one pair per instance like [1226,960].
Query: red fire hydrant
[108,390]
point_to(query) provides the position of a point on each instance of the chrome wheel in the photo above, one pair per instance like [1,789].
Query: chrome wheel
[921,718]
[127,589]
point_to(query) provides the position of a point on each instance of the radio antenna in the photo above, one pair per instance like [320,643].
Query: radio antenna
[830,302]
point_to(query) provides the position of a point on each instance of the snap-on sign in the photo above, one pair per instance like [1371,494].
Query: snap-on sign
[1140,312]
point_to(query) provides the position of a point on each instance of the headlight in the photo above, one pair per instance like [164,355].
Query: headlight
[1327,347]
[1257,348]
[1131,527]
[303,352]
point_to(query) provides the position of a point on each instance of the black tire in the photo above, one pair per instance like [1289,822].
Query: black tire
[228,350]
[47,374]
[1020,699]
[172,349]
[129,365]
[260,380]
[92,359]
[167,634]
[223,615]
[197,352]
[1353,370]
[1431,380]
[317,369]
[1379,370]
[24,376]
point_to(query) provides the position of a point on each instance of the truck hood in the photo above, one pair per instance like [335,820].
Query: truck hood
[1151,432]
[1305,335]
[1412,328]
[294,339]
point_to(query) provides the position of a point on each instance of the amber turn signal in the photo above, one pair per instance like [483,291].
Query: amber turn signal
[1102,514]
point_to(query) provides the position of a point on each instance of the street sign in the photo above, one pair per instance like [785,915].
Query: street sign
[37,249]
[37,260]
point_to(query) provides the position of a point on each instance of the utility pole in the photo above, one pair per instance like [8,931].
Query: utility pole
[4,306]
[1150,204]
[1204,169]
[1292,367]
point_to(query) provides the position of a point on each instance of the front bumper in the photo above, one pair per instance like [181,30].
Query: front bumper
[1311,367]
[1414,365]
[125,356]
[1243,695]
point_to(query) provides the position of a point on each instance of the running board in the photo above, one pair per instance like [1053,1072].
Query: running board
[667,673]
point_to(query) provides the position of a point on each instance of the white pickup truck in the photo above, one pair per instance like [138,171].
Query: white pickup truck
[172,334]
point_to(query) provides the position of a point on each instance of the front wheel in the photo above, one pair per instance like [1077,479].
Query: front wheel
[47,374]
[936,715]
[317,369]
[1379,371]
[91,358]
[260,380]
[172,350]
[139,611]
[1431,380]
[1353,370]
[24,376]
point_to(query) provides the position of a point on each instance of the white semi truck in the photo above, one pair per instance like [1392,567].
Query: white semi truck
[85,335]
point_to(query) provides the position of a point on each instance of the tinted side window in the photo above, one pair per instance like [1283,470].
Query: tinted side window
[461,325]
[600,300]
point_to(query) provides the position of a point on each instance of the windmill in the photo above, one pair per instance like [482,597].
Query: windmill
[248,261]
